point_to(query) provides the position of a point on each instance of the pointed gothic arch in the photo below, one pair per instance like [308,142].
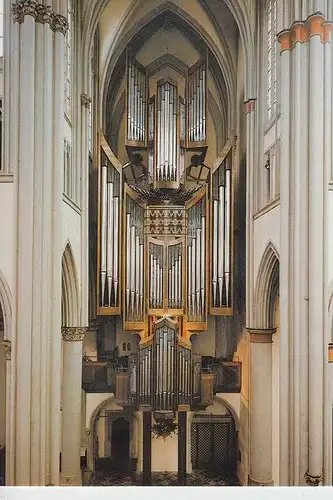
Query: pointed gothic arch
[70,296]
[267,288]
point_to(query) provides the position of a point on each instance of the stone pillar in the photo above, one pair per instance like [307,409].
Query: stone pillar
[261,407]
[71,405]
[250,107]
[305,160]
[35,118]
[146,446]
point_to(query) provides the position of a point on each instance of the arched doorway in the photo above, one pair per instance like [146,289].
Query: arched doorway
[120,443]
[113,435]
[214,441]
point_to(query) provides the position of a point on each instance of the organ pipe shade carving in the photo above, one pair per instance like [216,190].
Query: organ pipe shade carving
[197,262]
[221,282]
[136,102]
[167,140]
[134,262]
[196,104]
[110,214]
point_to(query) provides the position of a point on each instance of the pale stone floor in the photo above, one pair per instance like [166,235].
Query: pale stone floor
[197,478]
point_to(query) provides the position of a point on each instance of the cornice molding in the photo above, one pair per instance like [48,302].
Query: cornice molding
[41,13]
[73,333]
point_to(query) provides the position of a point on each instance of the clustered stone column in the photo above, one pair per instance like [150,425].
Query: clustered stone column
[261,406]
[306,86]
[71,405]
[35,46]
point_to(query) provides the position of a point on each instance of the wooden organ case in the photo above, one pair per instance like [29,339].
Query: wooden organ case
[165,233]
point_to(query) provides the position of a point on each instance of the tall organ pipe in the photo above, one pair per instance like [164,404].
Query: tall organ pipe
[104,231]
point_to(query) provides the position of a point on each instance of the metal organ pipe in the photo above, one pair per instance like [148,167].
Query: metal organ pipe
[227,234]
[104,231]
[110,238]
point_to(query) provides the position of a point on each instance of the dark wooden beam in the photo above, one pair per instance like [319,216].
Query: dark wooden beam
[146,448]
[182,447]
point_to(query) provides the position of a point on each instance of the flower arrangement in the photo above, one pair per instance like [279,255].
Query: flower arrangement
[164,428]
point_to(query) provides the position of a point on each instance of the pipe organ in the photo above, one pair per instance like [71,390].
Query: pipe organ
[221,283]
[165,233]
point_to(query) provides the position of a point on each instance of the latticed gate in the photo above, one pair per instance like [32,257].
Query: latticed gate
[213,443]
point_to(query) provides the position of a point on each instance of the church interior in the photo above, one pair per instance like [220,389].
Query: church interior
[166,269]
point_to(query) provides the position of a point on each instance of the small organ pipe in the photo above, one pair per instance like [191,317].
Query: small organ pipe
[116,247]
[110,237]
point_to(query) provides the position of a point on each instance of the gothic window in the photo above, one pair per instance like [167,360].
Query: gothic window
[68,60]
[271,60]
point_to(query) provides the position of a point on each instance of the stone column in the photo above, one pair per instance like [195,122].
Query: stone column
[71,405]
[305,160]
[250,107]
[261,407]
[35,118]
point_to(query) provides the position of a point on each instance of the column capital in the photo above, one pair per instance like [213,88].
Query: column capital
[41,13]
[7,344]
[73,333]
[302,31]
[313,480]
[261,335]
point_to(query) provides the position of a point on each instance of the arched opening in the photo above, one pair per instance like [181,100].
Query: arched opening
[267,316]
[114,443]
[69,302]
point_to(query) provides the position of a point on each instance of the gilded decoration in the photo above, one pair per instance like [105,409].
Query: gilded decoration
[41,13]
[73,333]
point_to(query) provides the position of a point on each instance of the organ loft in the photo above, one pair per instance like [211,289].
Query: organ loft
[165,229]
